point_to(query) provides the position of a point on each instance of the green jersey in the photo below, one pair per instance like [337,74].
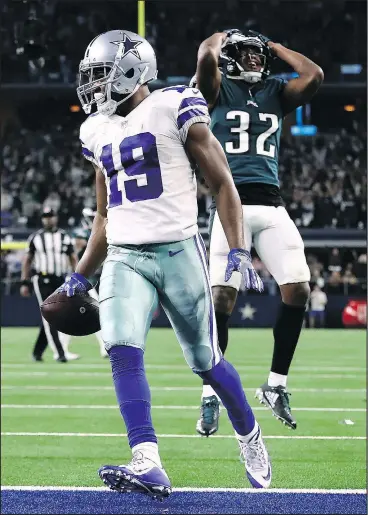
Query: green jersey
[248,121]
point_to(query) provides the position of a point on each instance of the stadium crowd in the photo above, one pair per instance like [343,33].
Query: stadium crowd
[315,29]
[323,179]
[323,183]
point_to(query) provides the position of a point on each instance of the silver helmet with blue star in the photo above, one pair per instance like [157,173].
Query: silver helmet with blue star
[115,65]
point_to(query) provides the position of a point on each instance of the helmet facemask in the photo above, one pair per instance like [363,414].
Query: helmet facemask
[247,60]
[94,80]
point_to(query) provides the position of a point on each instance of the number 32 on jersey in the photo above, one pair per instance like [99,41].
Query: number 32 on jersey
[139,160]
[243,118]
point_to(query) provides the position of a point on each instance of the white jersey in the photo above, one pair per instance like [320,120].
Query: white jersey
[151,184]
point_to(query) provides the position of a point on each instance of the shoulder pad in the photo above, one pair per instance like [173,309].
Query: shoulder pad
[188,107]
[87,136]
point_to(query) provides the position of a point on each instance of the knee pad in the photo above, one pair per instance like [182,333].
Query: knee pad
[200,359]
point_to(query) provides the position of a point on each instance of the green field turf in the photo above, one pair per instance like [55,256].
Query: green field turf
[328,373]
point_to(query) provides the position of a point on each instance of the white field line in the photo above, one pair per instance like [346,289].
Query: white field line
[169,389]
[65,373]
[117,435]
[105,366]
[115,407]
[187,489]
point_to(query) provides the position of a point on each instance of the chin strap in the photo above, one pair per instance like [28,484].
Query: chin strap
[109,107]
[251,77]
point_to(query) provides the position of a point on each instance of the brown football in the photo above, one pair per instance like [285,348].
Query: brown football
[77,315]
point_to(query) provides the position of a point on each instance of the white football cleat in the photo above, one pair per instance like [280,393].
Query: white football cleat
[257,461]
[70,356]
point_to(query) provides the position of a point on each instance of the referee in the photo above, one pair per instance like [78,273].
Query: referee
[51,251]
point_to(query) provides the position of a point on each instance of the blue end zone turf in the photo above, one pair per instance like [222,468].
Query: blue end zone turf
[100,502]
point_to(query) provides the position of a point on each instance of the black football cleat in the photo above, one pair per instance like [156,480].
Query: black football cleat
[37,358]
[208,422]
[277,399]
[61,359]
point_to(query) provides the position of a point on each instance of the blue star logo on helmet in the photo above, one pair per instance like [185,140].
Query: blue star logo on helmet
[130,45]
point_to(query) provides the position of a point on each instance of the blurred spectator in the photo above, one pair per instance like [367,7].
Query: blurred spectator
[52,201]
[360,271]
[317,278]
[4,268]
[269,282]
[318,301]
[6,208]
[314,30]
[360,267]
[6,200]
[335,261]
[349,280]
[11,263]
[334,284]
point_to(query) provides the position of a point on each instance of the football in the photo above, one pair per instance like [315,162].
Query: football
[77,315]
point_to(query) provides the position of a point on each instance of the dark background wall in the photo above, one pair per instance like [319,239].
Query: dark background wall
[250,311]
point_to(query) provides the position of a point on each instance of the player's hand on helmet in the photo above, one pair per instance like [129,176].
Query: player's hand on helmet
[239,260]
[255,34]
[265,40]
[75,284]
[232,37]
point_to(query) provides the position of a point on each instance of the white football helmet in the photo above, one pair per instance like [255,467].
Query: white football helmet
[115,65]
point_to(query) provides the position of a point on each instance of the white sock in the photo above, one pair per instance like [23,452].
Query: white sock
[208,391]
[150,450]
[277,380]
[65,341]
[101,343]
[246,438]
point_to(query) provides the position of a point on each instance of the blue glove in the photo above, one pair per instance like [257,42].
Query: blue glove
[255,34]
[75,284]
[239,260]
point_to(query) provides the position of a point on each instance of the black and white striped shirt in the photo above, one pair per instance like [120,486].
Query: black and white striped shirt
[50,249]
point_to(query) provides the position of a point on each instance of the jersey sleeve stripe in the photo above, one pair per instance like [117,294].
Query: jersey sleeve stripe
[87,152]
[187,115]
[183,132]
[203,109]
[192,101]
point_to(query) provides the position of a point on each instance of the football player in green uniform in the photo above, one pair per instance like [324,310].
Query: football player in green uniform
[247,108]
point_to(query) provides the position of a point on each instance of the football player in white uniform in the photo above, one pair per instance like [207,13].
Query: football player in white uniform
[143,147]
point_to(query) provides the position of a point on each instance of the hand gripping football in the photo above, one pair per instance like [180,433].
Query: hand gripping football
[77,315]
